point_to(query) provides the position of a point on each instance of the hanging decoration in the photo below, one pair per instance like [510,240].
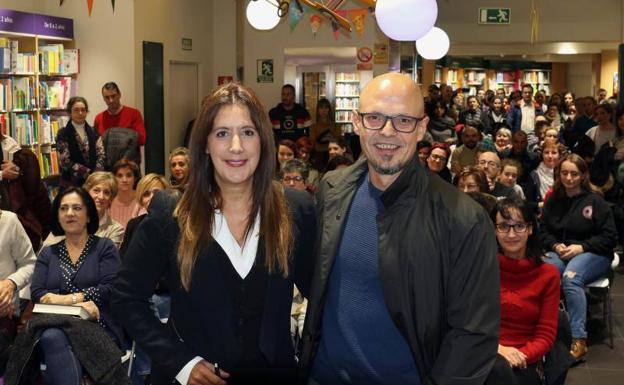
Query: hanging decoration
[61,3]
[315,23]
[434,45]
[406,20]
[534,21]
[90,6]
[358,16]
[294,16]
[113,2]
[336,30]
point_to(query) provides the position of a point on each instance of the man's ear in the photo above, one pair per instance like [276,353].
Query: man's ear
[421,128]
[356,121]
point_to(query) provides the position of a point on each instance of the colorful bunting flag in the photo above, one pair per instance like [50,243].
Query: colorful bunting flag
[61,4]
[358,17]
[90,6]
[315,23]
[113,2]
[335,25]
[294,15]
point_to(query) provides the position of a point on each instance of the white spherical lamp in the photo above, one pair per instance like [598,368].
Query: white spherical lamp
[406,20]
[434,45]
[262,15]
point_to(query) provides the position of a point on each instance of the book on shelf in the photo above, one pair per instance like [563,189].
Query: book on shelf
[72,310]
[24,129]
[50,126]
[51,58]
[23,93]
[4,126]
[54,94]
[14,51]
[71,61]
[5,59]
[6,96]
[48,162]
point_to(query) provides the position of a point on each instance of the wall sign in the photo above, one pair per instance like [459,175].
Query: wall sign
[494,15]
[187,44]
[36,24]
[264,70]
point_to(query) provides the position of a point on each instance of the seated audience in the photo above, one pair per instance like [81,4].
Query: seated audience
[472,179]
[579,234]
[495,118]
[294,174]
[304,152]
[520,152]
[441,126]
[16,263]
[338,147]
[502,142]
[423,148]
[286,150]
[508,176]
[149,185]
[471,116]
[79,146]
[543,177]
[102,187]
[438,160]
[604,131]
[22,191]
[529,297]
[124,205]
[490,163]
[338,162]
[466,154]
[79,270]
[179,166]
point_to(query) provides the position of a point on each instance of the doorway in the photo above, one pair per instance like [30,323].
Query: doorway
[183,101]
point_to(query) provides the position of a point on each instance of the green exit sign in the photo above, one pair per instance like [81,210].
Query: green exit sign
[494,15]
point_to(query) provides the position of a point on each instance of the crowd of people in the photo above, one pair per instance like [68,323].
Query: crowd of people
[443,251]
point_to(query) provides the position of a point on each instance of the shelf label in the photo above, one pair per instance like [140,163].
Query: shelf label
[36,24]
[494,15]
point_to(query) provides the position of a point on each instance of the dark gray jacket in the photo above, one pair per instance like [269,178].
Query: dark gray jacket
[437,266]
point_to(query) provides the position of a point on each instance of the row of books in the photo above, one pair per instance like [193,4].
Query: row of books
[53,59]
[56,93]
[48,162]
[24,128]
[17,94]
[50,126]
[536,77]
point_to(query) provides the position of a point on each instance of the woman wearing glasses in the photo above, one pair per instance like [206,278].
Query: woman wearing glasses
[579,233]
[529,296]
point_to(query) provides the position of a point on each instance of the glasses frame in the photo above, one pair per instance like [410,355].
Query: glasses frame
[363,115]
[497,226]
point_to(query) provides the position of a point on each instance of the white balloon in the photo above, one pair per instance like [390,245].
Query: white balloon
[262,15]
[406,20]
[434,45]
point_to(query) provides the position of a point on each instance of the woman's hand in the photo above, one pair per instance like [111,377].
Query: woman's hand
[56,299]
[570,251]
[91,307]
[203,373]
[515,357]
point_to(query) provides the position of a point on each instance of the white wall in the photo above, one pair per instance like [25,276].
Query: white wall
[105,40]
[580,78]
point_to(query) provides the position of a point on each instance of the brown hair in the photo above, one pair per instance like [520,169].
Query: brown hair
[580,163]
[196,209]
[477,174]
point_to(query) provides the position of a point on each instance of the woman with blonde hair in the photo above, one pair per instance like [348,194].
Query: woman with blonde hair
[231,250]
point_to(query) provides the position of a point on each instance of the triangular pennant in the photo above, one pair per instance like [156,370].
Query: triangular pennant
[90,6]
[61,4]
[113,2]
[294,16]
[315,23]
[336,29]
[358,17]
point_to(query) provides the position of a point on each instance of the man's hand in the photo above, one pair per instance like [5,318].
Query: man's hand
[203,373]
[7,290]
[9,170]
[515,357]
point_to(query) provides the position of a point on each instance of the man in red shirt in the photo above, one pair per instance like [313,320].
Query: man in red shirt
[118,115]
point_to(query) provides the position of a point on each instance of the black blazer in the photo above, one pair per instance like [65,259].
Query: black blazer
[192,329]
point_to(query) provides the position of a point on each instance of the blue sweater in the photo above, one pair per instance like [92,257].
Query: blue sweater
[360,344]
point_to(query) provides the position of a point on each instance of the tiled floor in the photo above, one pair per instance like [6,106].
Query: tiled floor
[603,366]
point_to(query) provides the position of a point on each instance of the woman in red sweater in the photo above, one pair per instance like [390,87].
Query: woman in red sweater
[529,297]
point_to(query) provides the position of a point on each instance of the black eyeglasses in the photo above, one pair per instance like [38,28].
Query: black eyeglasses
[518,228]
[376,121]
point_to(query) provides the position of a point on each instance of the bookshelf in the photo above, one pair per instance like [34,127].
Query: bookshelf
[38,75]
[347,95]
[538,78]
[474,80]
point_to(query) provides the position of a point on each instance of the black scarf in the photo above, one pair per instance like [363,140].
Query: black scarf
[75,154]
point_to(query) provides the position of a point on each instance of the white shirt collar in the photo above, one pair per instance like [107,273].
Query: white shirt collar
[242,258]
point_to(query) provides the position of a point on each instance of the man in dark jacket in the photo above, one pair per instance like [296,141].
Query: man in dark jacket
[406,286]
[522,115]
